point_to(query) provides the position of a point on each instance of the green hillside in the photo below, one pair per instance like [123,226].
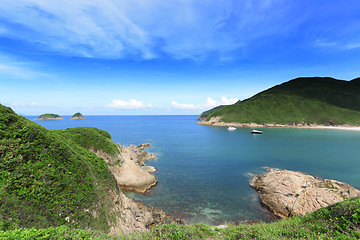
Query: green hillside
[302,101]
[338,221]
[205,114]
[49,116]
[48,178]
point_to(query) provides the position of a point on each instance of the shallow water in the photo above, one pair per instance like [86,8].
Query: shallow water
[204,171]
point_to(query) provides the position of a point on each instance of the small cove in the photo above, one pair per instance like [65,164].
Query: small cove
[204,171]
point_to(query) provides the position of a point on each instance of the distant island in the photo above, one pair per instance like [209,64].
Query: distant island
[71,176]
[307,101]
[77,116]
[49,116]
[67,183]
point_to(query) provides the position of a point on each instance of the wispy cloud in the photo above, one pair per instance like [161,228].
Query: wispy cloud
[183,106]
[352,46]
[22,104]
[210,103]
[89,29]
[11,68]
[325,43]
[145,29]
[131,104]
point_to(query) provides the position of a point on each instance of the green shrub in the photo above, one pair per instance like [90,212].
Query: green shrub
[47,178]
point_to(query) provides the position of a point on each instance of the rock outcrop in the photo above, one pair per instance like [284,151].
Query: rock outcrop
[128,168]
[132,216]
[288,193]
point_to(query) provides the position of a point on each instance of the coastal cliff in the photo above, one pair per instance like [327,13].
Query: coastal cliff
[288,193]
[53,178]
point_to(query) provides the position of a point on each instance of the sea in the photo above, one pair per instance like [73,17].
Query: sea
[204,171]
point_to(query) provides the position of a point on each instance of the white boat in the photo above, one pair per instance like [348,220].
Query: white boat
[256,131]
[231,128]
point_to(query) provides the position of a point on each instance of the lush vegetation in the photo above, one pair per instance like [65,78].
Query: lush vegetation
[338,221]
[205,114]
[58,233]
[91,138]
[52,187]
[49,116]
[48,178]
[77,116]
[303,100]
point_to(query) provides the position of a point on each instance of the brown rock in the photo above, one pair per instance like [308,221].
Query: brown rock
[127,215]
[126,168]
[288,193]
[132,216]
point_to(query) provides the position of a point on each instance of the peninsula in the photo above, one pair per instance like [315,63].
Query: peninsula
[288,193]
[77,116]
[69,178]
[66,184]
[311,101]
[49,116]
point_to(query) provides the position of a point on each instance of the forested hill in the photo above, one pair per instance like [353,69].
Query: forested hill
[313,100]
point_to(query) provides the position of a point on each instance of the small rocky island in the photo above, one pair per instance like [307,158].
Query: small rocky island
[77,116]
[49,116]
[288,193]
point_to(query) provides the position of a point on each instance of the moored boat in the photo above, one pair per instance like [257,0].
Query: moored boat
[254,131]
[231,128]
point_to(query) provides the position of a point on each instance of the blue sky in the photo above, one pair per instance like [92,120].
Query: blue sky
[167,57]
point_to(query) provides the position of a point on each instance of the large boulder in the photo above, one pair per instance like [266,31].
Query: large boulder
[288,193]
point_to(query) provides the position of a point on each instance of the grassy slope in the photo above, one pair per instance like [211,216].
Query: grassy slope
[309,100]
[338,221]
[205,114]
[88,137]
[45,176]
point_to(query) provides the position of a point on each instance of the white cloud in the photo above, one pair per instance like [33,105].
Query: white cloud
[210,103]
[228,101]
[21,104]
[352,46]
[324,43]
[116,29]
[131,104]
[183,106]
[83,28]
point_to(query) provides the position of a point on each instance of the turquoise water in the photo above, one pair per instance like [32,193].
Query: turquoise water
[204,171]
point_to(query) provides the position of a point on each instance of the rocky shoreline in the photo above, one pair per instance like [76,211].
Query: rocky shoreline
[216,121]
[288,193]
[132,174]
[129,169]
[48,119]
[78,118]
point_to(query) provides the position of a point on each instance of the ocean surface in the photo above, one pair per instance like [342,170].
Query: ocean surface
[204,171]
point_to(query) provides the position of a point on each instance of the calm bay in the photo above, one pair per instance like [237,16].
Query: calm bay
[204,171]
